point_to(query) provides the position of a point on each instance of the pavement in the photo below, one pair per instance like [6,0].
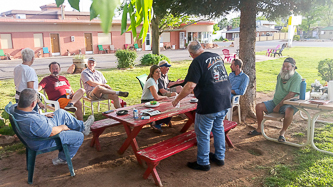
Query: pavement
[105,60]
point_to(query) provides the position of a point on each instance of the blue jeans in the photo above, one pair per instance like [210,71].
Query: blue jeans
[204,124]
[73,138]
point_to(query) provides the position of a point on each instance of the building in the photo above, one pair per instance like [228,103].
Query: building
[260,31]
[326,33]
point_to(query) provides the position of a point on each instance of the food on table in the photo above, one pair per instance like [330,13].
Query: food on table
[153,102]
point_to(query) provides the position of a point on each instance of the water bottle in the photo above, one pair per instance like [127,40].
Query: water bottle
[303,90]
[135,114]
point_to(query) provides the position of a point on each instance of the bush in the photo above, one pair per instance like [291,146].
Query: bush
[126,58]
[151,59]
[5,126]
[221,38]
[296,38]
[225,40]
[325,69]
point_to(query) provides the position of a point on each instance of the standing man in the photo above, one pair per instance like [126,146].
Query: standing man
[238,80]
[208,78]
[25,76]
[287,86]
[55,87]
[96,87]
[164,84]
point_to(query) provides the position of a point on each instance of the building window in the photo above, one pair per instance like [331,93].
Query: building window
[6,41]
[190,37]
[38,40]
[165,37]
[128,38]
[104,39]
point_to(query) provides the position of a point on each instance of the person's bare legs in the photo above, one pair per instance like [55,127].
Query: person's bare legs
[115,99]
[99,90]
[288,118]
[260,109]
[78,113]
[77,95]
[179,89]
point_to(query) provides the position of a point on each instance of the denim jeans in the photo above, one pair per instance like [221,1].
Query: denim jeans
[73,138]
[204,124]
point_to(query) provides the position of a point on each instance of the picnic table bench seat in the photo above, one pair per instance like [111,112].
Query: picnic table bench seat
[155,153]
[98,127]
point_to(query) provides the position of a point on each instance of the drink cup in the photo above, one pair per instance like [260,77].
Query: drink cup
[68,93]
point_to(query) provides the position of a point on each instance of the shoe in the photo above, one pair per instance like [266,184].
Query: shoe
[282,139]
[70,107]
[58,161]
[87,125]
[254,133]
[157,129]
[212,158]
[123,94]
[196,166]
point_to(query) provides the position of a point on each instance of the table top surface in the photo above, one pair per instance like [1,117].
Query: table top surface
[308,104]
[165,107]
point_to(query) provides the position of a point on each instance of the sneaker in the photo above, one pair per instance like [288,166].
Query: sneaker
[212,158]
[58,161]
[157,128]
[123,94]
[87,125]
[70,107]
[196,166]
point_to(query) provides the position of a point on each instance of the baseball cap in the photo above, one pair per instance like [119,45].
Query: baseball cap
[164,63]
[92,59]
[291,61]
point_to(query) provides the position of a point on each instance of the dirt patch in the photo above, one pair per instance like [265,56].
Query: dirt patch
[245,165]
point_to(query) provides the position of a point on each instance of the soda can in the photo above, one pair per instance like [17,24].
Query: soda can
[135,114]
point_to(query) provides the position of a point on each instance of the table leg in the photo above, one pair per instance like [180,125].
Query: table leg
[190,121]
[227,139]
[95,139]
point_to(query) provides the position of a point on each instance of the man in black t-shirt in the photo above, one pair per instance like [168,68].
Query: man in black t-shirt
[208,78]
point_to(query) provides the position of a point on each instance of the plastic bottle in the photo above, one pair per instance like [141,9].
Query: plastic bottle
[135,114]
[303,90]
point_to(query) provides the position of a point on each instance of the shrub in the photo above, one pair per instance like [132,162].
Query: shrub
[126,58]
[296,38]
[151,59]
[5,126]
[225,40]
[325,69]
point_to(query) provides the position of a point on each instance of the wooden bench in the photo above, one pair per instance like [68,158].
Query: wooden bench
[98,127]
[154,154]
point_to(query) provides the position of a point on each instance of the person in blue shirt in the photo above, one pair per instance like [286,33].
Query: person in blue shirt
[238,80]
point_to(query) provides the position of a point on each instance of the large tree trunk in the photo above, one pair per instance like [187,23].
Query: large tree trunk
[247,55]
[155,35]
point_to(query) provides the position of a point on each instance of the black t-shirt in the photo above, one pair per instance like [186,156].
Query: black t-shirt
[213,87]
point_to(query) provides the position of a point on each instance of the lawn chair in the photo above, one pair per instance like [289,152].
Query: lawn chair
[112,48]
[142,80]
[274,50]
[226,55]
[31,154]
[136,47]
[100,48]
[268,53]
[279,52]
[49,104]
[235,102]
[46,51]
[2,54]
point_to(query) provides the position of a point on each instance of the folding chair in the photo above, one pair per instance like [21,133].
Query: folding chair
[100,48]
[46,51]
[2,54]
[31,154]
[142,80]
[136,47]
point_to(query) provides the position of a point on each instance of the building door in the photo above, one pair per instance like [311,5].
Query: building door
[147,43]
[181,40]
[88,42]
[55,44]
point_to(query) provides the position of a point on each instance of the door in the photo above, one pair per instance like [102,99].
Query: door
[88,42]
[147,43]
[55,44]
[181,40]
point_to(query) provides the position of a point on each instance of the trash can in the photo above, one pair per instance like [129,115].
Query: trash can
[173,46]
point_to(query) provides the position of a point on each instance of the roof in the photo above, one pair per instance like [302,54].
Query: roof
[329,28]
[49,12]
[8,20]
[258,29]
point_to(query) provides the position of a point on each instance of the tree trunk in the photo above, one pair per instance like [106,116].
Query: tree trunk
[247,55]
[155,35]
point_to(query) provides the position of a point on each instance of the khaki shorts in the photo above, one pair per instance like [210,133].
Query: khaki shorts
[92,96]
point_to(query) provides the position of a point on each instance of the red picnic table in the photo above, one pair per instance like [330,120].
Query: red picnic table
[167,110]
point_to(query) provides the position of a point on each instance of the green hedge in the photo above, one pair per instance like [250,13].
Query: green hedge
[296,38]
[126,58]
[151,59]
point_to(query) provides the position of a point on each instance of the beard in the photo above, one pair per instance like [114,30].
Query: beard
[55,74]
[286,75]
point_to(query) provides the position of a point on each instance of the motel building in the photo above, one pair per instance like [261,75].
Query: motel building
[68,32]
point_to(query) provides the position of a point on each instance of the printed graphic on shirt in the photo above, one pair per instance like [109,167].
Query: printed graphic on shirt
[60,83]
[212,60]
[219,72]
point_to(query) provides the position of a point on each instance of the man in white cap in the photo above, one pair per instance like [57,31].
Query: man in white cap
[165,86]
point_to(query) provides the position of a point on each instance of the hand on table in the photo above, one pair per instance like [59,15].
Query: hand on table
[174,103]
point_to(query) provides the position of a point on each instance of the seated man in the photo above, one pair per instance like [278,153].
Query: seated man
[237,78]
[96,87]
[287,86]
[164,84]
[35,125]
[55,87]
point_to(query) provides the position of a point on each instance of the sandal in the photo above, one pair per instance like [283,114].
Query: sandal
[282,139]
[254,133]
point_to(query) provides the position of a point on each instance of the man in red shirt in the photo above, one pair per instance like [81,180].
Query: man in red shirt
[55,87]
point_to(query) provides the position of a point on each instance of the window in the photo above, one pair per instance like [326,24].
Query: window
[38,40]
[165,37]
[6,41]
[104,39]
[189,37]
[128,38]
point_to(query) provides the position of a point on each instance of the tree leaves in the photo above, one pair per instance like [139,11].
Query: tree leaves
[105,9]
[75,4]
[59,2]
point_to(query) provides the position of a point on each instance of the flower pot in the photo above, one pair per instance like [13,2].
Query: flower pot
[80,65]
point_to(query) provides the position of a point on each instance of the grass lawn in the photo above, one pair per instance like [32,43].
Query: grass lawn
[310,167]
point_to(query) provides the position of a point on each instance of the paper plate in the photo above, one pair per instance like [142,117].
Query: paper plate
[195,100]
[152,106]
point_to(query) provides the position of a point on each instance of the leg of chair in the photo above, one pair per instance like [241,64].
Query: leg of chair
[98,107]
[92,108]
[239,114]
[84,109]
[69,160]
[31,164]
[229,114]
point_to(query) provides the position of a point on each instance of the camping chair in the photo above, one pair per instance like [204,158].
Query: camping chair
[2,54]
[136,47]
[274,50]
[46,51]
[142,80]
[280,50]
[31,154]
[226,55]
[100,48]
[235,102]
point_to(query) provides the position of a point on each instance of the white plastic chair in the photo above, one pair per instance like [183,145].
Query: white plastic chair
[49,104]
[235,102]
[111,48]
[99,101]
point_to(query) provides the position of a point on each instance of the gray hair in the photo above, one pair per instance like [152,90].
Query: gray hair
[194,47]
[27,97]
[27,54]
